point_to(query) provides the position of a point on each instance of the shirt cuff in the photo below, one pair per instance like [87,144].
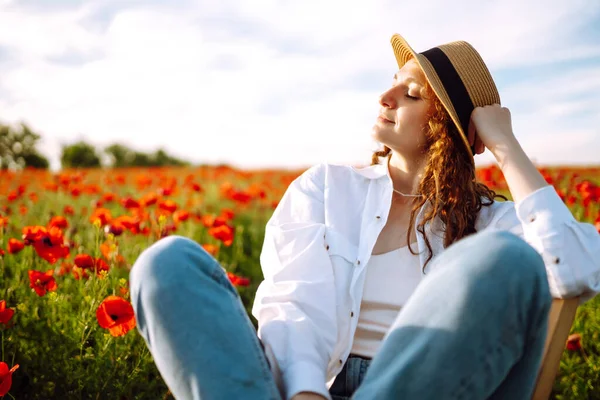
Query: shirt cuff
[303,376]
[542,208]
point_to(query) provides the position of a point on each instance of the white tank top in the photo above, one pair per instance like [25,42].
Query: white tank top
[391,279]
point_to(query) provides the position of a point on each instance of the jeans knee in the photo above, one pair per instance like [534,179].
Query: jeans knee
[509,257]
[163,264]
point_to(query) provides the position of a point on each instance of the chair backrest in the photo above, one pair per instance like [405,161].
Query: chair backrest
[562,315]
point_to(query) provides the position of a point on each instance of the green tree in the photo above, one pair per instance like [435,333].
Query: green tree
[18,148]
[79,155]
[161,158]
[123,156]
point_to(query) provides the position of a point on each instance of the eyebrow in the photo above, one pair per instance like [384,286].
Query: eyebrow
[408,80]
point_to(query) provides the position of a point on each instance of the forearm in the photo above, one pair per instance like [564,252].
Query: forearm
[520,174]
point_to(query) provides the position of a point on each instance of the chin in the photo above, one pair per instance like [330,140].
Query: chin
[380,137]
[377,135]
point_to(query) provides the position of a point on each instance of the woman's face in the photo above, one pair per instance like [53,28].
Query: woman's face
[403,112]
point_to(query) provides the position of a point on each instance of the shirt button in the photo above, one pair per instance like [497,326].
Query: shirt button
[378,217]
[357,262]
[532,218]
[556,260]
[352,313]
[341,362]
[327,247]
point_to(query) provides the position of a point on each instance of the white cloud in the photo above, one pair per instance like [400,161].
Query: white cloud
[273,83]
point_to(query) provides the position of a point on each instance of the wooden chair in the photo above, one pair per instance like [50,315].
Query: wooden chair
[562,315]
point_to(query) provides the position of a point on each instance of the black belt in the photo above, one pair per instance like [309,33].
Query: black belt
[357,356]
[350,356]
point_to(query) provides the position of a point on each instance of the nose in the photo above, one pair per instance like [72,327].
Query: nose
[387,99]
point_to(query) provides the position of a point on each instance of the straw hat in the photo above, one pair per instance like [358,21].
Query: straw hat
[457,75]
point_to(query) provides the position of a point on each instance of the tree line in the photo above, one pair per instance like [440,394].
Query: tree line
[18,150]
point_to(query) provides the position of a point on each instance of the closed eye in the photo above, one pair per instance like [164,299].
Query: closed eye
[412,97]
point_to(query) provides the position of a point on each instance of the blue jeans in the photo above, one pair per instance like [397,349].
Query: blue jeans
[473,329]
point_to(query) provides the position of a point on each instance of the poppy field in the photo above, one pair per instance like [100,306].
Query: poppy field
[69,239]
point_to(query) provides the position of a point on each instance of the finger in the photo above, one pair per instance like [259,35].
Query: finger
[471,133]
[479,146]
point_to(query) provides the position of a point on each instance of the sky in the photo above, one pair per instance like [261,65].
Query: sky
[268,83]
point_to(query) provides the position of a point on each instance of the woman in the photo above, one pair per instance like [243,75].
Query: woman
[401,280]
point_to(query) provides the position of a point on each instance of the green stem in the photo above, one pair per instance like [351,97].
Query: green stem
[140,358]
[114,369]
[85,317]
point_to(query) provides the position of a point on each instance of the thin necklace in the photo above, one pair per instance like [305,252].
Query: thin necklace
[408,195]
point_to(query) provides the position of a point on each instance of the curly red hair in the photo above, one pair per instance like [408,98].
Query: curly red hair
[448,182]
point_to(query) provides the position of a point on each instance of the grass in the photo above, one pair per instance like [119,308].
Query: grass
[56,338]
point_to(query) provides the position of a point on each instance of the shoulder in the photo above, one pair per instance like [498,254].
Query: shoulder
[491,214]
[324,172]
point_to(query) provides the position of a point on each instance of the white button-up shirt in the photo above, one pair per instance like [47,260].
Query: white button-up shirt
[321,236]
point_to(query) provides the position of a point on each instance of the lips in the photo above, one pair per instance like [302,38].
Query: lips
[384,119]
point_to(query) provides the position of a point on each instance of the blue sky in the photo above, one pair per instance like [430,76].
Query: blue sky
[281,83]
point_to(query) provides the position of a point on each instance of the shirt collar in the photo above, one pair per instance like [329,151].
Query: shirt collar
[374,171]
[378,171]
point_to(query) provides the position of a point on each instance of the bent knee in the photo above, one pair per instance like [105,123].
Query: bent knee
[166,263]
[509,257]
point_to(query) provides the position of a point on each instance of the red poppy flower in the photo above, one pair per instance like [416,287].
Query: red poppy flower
[59,222]
[33,234]
[180,216]
[75,191]
[211,249]
[130,203]
[12,196]
[123,222]
[219,221]
[6,377]
[168,205]
[5,313]
[49,244]
[42,282]
[238,280]
[196,187]
[109,197]
[227,213]
[116,315]
[68,210]
[52,246]
[208,220]
[223,233]
[165,191]
[574,342]
[15,246]
[101,265]
[84,261]
[51,186]
[241,197]
[149,199]
[101,214]
[79,273]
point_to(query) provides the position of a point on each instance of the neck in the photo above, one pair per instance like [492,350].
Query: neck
[405,175]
